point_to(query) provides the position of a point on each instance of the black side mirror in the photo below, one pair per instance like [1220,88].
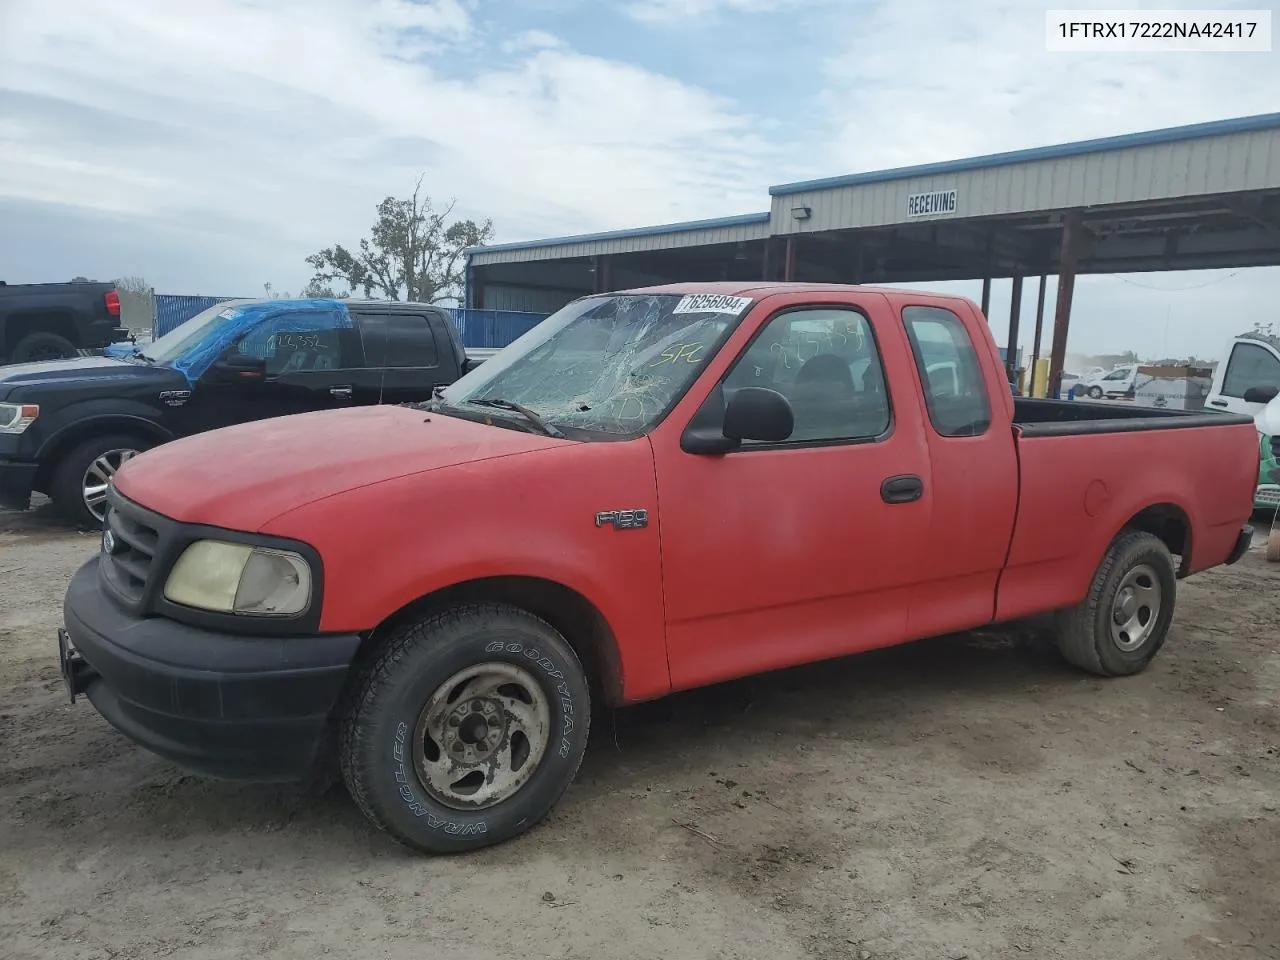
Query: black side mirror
[238,366]
[1260,394]
[752,413]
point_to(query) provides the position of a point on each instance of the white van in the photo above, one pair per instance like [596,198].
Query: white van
[1248,381]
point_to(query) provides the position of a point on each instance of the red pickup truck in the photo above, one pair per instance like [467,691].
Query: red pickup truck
[651,491]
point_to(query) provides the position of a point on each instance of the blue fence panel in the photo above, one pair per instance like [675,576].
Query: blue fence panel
[173,311]
[493,328]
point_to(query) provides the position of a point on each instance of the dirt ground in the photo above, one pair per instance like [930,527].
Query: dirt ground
[966,797]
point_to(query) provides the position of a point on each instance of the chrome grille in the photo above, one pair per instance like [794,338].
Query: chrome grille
[129,546]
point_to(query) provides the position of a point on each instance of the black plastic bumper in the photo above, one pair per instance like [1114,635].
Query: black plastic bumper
[238,707]
[1242,544]
[16,479]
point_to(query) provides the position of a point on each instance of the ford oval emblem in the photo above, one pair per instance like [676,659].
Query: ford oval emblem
[108,542]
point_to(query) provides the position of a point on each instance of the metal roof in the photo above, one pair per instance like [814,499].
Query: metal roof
[1195,131]
[715,223]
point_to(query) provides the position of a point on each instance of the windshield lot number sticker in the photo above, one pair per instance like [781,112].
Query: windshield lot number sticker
[712,303]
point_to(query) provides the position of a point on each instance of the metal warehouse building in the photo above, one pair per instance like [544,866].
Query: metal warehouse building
[1182,198]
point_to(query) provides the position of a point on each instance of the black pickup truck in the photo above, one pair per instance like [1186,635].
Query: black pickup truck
[67,425]
[52,321]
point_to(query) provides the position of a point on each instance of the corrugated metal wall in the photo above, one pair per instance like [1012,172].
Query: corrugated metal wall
[1214,165]
[757,228]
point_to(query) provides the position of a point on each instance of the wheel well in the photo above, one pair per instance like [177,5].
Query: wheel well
[52,456]
[1170,524]
[569,612]
[24,323]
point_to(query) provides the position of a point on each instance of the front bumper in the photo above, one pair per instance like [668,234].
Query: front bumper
[1243,542]
[16,480]
[222,705]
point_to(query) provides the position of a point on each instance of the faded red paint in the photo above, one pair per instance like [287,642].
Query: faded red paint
[751,561]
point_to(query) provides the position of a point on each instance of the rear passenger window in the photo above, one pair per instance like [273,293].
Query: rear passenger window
[398,340]
[955,392]
[824,361]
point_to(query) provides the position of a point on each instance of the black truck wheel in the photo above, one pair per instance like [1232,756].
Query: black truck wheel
[78,486]
[42,345]
[1123,621]
[465,728]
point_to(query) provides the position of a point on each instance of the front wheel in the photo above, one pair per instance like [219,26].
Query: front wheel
[465,728]
[1122,622]
[80,480]
[1095,393]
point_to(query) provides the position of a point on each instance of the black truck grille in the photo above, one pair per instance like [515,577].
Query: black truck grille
[129,548]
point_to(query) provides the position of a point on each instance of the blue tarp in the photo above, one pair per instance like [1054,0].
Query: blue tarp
[266,320]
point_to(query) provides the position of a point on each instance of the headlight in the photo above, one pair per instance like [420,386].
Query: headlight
[16,417]
[237,578]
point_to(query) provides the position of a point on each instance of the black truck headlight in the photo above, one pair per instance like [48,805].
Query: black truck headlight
[241,579]
[16,417]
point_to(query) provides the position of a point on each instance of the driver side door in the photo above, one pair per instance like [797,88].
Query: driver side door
[784,553]
[311,359]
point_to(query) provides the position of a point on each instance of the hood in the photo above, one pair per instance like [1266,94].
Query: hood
[62,373]
[242,477]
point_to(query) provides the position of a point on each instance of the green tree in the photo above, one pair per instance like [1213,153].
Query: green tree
[318,289]
[413,252]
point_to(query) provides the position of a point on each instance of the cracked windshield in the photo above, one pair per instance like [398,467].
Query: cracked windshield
[605,365]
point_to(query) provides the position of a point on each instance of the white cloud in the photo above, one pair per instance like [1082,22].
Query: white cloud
[681,11]
[289,121]
[257,131]
[918,81]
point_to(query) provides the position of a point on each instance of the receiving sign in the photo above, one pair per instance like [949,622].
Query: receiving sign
[931,204]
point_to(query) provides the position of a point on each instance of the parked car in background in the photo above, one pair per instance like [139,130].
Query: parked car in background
[67,426]
[53,321]
[1115,384]
[1247,381]
[650,491]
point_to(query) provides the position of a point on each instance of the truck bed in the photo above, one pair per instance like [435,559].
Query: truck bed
[1057,418]
[1087,470]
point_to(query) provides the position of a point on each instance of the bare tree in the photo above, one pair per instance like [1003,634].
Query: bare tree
[413,252]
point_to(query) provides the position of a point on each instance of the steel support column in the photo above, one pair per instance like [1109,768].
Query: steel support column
[1035,347]
[475,288]
[789,269]
[1015,315]
[986,298]
[767,260]
[1068,259]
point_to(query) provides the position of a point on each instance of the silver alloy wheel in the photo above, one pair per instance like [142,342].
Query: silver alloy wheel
[1136,608]
[97,478]
[481,735]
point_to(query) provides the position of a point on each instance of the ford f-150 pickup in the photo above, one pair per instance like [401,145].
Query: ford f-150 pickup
[650,491]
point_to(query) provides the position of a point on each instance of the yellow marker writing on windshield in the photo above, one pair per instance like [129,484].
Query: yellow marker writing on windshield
[688,352]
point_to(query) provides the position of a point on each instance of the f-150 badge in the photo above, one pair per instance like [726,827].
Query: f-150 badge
[623,519]
[175,398]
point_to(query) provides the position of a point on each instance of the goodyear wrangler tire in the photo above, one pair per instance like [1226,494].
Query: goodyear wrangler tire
[1123,621]
[466,728]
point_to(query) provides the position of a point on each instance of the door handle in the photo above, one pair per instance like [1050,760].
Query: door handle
[340,393]
[904,489]
[1217,403]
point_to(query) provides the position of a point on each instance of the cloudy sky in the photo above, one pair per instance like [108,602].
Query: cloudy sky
[210,145]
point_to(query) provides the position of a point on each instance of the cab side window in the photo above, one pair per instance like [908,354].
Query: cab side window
[825,362]
[399,340]
[302,343]
[955,392]
[1250,366]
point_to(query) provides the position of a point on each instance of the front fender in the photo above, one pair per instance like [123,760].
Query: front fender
[389,544]
[96,416]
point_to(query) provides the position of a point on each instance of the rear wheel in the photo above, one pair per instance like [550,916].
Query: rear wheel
[42,345]
[465,728]
[80,480]
[1273,541]
[1123,621]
